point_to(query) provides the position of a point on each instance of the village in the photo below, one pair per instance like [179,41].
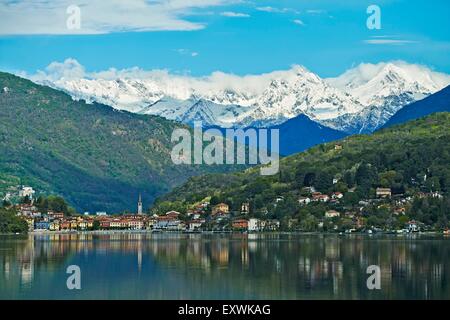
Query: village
[205,217]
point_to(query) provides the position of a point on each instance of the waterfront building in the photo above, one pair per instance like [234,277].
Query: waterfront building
[240,224]
[254,224]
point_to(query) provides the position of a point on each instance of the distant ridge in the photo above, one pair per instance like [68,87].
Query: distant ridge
[301,133]
[437,102]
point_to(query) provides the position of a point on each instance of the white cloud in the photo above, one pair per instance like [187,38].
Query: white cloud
[380,41]
[366,72]
[71,69]
[182,86]
[187,52]
[100,16]
[315,11]
[276,10]
[299,22]
[232,14]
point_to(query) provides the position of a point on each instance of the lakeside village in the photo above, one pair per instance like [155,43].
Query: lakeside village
[207,217]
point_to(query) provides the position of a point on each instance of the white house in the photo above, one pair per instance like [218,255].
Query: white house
[254,224]
[337,195]
[332,214]
[26,192]
[304,200]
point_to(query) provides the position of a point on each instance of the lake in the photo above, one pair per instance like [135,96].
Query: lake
[224,266]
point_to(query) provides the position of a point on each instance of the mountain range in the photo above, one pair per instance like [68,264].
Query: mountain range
[359,101]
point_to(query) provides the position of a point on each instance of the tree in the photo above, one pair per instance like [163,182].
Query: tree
[96,225]
[11,223]
[6,203]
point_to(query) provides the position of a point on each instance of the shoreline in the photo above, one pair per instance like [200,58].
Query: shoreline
[107,232]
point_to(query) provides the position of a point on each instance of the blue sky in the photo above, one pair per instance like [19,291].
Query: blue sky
[236,36]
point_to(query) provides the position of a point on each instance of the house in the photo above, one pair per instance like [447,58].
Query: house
[65,225]
[337,195]
[436,194]
[318,197]
[221,207]
[175,225]
[245,208]
[412,226]
[115,223]
[332,214]
[134,224]
[55,215]
[337,147]
[196,216]
[196,224]
[308,189]
[151,222]
[160,224]
[42,225]
[83,225]
[26,192]
[383,192]
[254,224]
[172,214]
[272,225]
[240,224]
[304,200]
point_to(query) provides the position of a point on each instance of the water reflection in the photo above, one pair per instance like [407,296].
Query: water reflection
[237,266]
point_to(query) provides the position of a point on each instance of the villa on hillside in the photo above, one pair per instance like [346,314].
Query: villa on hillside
[221,207]
[383,192]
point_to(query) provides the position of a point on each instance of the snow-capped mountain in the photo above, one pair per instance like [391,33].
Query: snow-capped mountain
[383,89]
[301,93]
[360,100]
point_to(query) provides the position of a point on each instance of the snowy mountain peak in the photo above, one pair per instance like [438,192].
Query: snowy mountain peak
[361,99]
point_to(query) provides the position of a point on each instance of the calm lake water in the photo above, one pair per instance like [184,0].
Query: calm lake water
[234,266]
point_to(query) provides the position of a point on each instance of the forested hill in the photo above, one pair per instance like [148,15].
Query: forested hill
[96,157]
[408,158]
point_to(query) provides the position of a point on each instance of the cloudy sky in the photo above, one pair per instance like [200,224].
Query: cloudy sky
[199,37]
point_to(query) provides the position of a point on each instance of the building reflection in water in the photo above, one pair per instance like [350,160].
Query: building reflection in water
[277,266]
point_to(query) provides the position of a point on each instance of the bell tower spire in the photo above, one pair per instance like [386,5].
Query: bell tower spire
[139,212]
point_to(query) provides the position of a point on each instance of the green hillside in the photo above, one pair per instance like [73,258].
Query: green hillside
[96,157]
[409,158]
